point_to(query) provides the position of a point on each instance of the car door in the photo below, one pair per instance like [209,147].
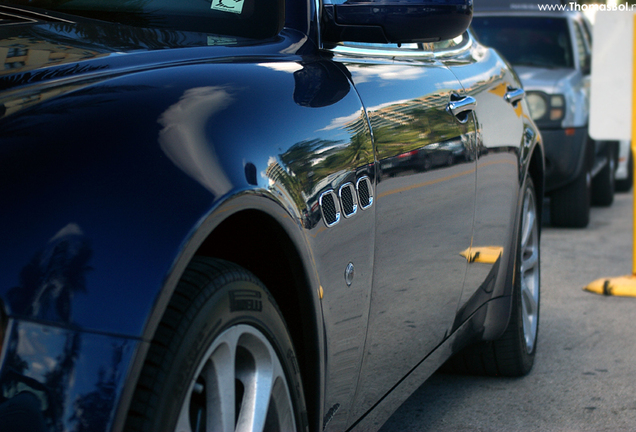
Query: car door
[424,206]
[504,134]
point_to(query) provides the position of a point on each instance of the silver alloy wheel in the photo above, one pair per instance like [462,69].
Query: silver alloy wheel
[239,385]
[530,270]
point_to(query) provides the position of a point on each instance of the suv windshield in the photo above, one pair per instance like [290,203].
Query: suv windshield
[527,41]
[245,18]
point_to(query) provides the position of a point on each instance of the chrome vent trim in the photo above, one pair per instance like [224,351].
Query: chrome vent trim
[365,192]
[330,208]
[348,199]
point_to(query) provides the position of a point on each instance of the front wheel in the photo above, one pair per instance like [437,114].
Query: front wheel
[520,338]
[221,359]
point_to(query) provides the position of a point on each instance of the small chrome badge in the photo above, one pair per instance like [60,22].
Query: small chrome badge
[349,273]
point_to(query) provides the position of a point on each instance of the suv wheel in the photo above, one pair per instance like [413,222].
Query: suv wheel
[570,205]
[604,183]
[625,185]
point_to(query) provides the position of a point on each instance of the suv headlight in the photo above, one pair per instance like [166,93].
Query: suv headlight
[537,104]
[545,108]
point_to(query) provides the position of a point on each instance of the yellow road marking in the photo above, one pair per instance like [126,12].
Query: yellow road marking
[428,183]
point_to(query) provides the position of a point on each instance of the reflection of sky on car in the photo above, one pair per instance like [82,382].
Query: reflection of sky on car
[183,138]
[289,67]
[386,75]
[341,122]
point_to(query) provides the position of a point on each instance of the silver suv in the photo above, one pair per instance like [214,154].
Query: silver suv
[551,53]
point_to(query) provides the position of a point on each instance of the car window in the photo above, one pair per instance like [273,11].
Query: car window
[243,18]
[527,41]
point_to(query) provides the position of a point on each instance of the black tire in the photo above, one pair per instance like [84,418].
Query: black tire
[570,205]
[625,185]
[513,353]
[221,322]
[427,164]
[604,184]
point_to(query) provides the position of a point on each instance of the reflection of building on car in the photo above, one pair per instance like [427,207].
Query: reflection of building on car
[551,53]
[432,156]
[196,232]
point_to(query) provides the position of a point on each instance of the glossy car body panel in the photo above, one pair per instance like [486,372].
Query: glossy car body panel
[505,135]
[409,115]
[128,151]
[183,170]
[495,309]
[168,177]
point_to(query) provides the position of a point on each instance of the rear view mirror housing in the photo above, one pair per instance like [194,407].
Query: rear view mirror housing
[394,21]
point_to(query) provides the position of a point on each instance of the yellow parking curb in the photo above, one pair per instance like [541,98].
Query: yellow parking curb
[484,254]
[622,286]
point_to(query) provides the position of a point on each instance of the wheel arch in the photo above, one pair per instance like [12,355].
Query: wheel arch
[536,170]
[257,233]
[499,311]
[259,243]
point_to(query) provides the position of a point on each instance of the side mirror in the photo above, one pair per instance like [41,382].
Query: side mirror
[394,21]
[586,65]
[586,70]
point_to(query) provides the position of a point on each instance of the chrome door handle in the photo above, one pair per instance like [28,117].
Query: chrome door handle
[514,95]
[461,106]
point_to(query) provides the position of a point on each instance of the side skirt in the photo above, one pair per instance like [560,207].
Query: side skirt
[465,334]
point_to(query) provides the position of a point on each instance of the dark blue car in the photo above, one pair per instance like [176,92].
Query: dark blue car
[197,231]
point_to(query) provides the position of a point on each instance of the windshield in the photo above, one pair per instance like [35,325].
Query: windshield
[245,18]
[527,41]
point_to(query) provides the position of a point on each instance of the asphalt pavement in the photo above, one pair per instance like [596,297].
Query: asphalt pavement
[584,378]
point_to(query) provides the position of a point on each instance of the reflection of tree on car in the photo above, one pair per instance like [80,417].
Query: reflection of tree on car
[431,156]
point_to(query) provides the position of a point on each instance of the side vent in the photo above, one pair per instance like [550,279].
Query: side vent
[330,208]
[365,192]
[349,199]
